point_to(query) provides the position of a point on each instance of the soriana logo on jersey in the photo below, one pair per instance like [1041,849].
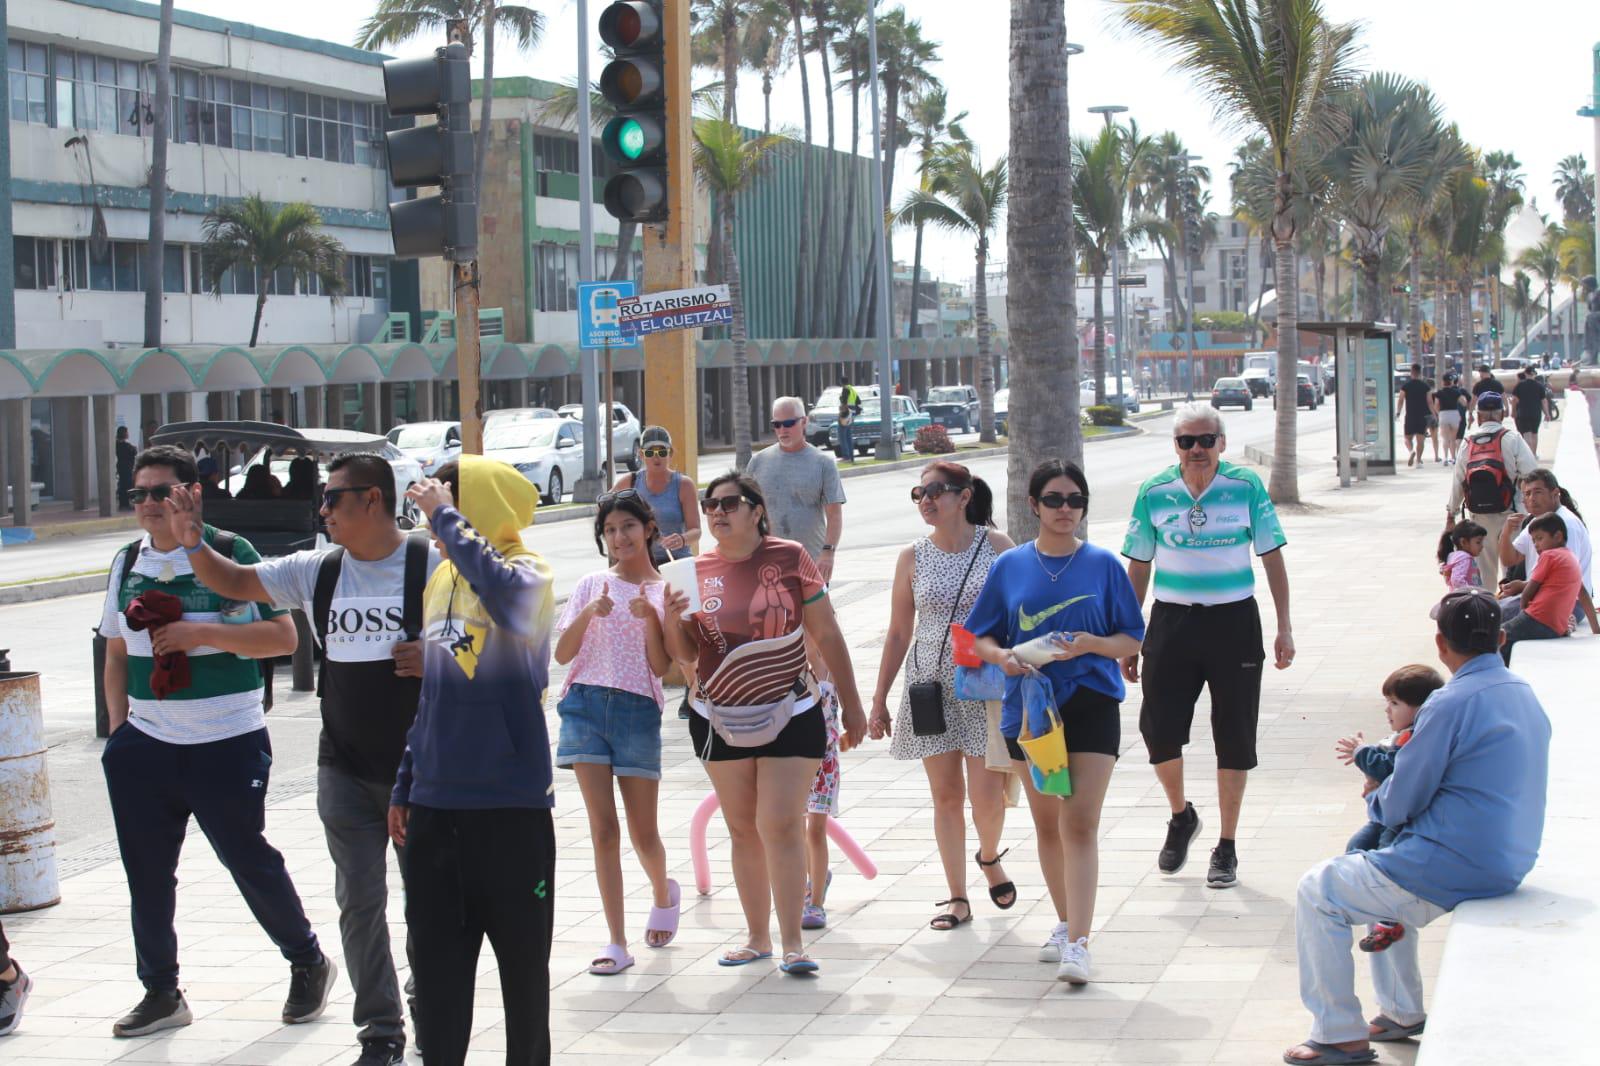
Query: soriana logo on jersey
[364,628]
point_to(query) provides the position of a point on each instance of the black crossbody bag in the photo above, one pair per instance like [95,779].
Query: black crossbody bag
[927,697]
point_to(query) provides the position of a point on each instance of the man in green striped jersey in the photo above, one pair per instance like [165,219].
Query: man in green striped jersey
[1195,525]
[189,737]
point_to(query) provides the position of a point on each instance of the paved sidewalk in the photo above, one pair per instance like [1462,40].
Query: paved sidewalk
[1182,974]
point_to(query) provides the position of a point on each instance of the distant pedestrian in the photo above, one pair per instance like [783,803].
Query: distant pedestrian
[849,407]
[801,486]
[1467,802]
[1075,596]
[363,596]
[1484,482]
[1450,403]
[758,726]
[670,495]
[1458,555]
[472,798]
[937,580]
[1529,401]
[211,486]
[189,737]
[126,454]
[610,634]
[1413,410]
[1196,525]
[14,988]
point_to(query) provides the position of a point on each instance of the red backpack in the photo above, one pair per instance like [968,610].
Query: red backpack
[1488,482]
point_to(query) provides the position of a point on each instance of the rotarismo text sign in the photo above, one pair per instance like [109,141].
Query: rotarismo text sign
[657,312]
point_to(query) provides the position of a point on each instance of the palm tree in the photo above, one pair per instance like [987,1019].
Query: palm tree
[1251,181]
[1450,156]
[824,24]
[726,165]
[769,49]
[1577,259]
[1269,65]
[1543,261]
[1102,169]
[1380,166]
[852,60]
[722,36]
[1162,196]
[252,235]
[928,123]
[1506,186]
[802,273]
[1575,188]
[1247,213]
[396,21]
[156,249]
[1523,304]
[962,197]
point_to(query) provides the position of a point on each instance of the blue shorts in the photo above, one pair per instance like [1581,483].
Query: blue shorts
[610,727]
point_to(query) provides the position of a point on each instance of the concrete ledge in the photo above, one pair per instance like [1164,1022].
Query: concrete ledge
[51,588]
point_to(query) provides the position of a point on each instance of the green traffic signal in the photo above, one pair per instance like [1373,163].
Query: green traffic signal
[630,139]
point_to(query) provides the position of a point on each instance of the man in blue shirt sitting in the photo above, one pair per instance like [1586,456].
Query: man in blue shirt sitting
[1467,797]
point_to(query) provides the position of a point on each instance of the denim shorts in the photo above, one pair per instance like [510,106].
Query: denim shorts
[610,727]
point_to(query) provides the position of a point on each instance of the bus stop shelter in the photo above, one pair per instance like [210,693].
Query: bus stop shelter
[1363,361]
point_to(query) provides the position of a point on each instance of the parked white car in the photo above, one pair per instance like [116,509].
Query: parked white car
[547,451]
[430,443]
[625,431]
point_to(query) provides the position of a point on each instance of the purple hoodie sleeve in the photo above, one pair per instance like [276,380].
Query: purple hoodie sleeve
[518,596]
[401,796]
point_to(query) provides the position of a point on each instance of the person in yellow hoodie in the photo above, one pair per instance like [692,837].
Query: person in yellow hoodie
[474,792]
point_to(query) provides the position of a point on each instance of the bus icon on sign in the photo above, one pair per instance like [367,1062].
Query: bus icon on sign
[599,314]
[603,309]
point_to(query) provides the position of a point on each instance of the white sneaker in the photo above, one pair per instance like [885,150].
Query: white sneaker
[1050,950]
[1074,968]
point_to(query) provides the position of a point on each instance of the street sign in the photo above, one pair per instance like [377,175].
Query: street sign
[600,315]
[658,312]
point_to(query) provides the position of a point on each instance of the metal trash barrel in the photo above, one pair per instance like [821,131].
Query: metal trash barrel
[27,827]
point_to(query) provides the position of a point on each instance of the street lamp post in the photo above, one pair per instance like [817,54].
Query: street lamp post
[1106,111]
[1188,259]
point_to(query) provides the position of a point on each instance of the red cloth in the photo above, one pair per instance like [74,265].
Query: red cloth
[151,610]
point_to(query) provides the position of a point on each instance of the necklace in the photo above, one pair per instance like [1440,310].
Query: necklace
[1057,575]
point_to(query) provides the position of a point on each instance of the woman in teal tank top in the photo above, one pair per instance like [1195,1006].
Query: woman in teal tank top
[670,495]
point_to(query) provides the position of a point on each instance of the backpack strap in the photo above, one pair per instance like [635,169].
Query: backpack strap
[129,554]
[322,603]
[416,579]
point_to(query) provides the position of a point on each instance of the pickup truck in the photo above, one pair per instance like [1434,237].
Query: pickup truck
[955,407]
[865,428]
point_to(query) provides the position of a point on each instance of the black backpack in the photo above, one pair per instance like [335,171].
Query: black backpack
[1487,481]
[410,597]
[222,543]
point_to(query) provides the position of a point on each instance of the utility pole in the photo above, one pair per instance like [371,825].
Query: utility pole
[590,485]
[464,287]
[886,446]
[1188,261]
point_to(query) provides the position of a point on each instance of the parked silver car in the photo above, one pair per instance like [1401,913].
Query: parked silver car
[547,451]
[625,430]
[430,443]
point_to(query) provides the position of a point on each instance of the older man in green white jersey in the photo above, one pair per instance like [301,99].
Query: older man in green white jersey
[1195,525]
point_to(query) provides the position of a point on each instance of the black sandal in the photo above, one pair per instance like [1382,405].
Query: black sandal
[1004,888]
[948,920]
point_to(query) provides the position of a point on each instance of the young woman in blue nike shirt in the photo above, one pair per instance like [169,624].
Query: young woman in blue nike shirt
[1060,584]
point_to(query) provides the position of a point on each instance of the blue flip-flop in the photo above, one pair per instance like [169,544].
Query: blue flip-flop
[796,962]
[1328,1055]
[749,955]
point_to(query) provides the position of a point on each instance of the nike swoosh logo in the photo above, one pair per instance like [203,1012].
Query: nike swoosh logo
[1029,622]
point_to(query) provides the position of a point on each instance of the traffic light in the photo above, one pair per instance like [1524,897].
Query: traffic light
[1494,325]
[439,153]
[635,84]
[1401,288]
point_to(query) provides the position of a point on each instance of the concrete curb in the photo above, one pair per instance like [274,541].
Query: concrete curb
[52,588]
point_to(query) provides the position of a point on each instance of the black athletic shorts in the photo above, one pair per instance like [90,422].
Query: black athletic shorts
[805,737]
[1416,425]
[1216,647]
[1530,424]
[1093,723]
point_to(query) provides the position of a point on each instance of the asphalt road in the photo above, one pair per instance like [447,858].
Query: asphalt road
[53,637]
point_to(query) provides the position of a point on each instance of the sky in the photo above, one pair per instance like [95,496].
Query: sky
[1512,76]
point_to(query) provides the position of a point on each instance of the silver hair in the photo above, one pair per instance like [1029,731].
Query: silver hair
[1191,413]
[796,402]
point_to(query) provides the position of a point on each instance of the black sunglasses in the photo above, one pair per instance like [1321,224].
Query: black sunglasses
[158,493]
[656,453]
[932,490]
[1205,440]
[1055,500]
[784,423]
[726,504]
[612,497]
[330,497]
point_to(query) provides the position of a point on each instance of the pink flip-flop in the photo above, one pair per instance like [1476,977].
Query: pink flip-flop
[665,919]
[616,955]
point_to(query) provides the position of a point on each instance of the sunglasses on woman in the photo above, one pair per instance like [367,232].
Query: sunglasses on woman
[725,504]
[1205,440]
[1055,500]
[932,490]
[158,493]
[659,452]
[612,497]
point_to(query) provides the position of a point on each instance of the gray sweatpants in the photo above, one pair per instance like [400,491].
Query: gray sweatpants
[355,821]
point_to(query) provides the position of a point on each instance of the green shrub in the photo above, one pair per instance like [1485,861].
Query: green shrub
[1105,414]
[933,440]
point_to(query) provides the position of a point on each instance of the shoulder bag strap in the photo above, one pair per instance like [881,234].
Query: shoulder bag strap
[416,578]
[972,558]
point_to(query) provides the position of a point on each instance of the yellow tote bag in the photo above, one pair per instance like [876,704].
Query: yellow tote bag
[1046,751]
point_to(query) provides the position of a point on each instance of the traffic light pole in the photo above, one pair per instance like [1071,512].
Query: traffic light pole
[465,292]
[591,485]
[886,446]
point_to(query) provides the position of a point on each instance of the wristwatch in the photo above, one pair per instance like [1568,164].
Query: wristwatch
[827,547]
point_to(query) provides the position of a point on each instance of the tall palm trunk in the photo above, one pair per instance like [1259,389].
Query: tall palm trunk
[1371,305]
[1320,272]
[741,363]
[766,100]
[730,63]
[986,361]
[843,326]
[155,250]
[827,267]
[1229,283]
[1100,337]
[261,306]
[485,109]
[916,285]
[1284,486]
[1414,303]
[802,271]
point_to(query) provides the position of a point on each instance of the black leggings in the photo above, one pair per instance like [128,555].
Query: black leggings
[471,874]
[5,951]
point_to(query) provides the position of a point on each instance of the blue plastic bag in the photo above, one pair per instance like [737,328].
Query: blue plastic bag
[986,682]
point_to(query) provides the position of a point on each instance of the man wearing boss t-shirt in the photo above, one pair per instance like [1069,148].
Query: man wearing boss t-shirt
[364,600]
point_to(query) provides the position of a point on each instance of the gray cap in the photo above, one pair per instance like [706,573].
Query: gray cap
[655,435]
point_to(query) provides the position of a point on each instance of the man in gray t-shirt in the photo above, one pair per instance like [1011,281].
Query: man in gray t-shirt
[805,498]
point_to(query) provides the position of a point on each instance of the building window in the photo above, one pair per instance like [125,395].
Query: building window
[240,280]
[340,131]
[556,154]
[33,262]
[29,67]
[358,276]
[172,268]
[116,270]
[1199,295]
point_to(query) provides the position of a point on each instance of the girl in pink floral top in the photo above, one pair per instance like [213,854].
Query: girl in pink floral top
[1458,555]
[610,634]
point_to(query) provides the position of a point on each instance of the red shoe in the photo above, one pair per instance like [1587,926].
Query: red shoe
[1383,934]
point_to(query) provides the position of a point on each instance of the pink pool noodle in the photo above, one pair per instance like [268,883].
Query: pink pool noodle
[702,862]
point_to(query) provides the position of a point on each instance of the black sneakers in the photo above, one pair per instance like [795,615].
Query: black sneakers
[1181,830]
[309,989]
[159,1009]
[13,994]
[377,1051]
[1224,869]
